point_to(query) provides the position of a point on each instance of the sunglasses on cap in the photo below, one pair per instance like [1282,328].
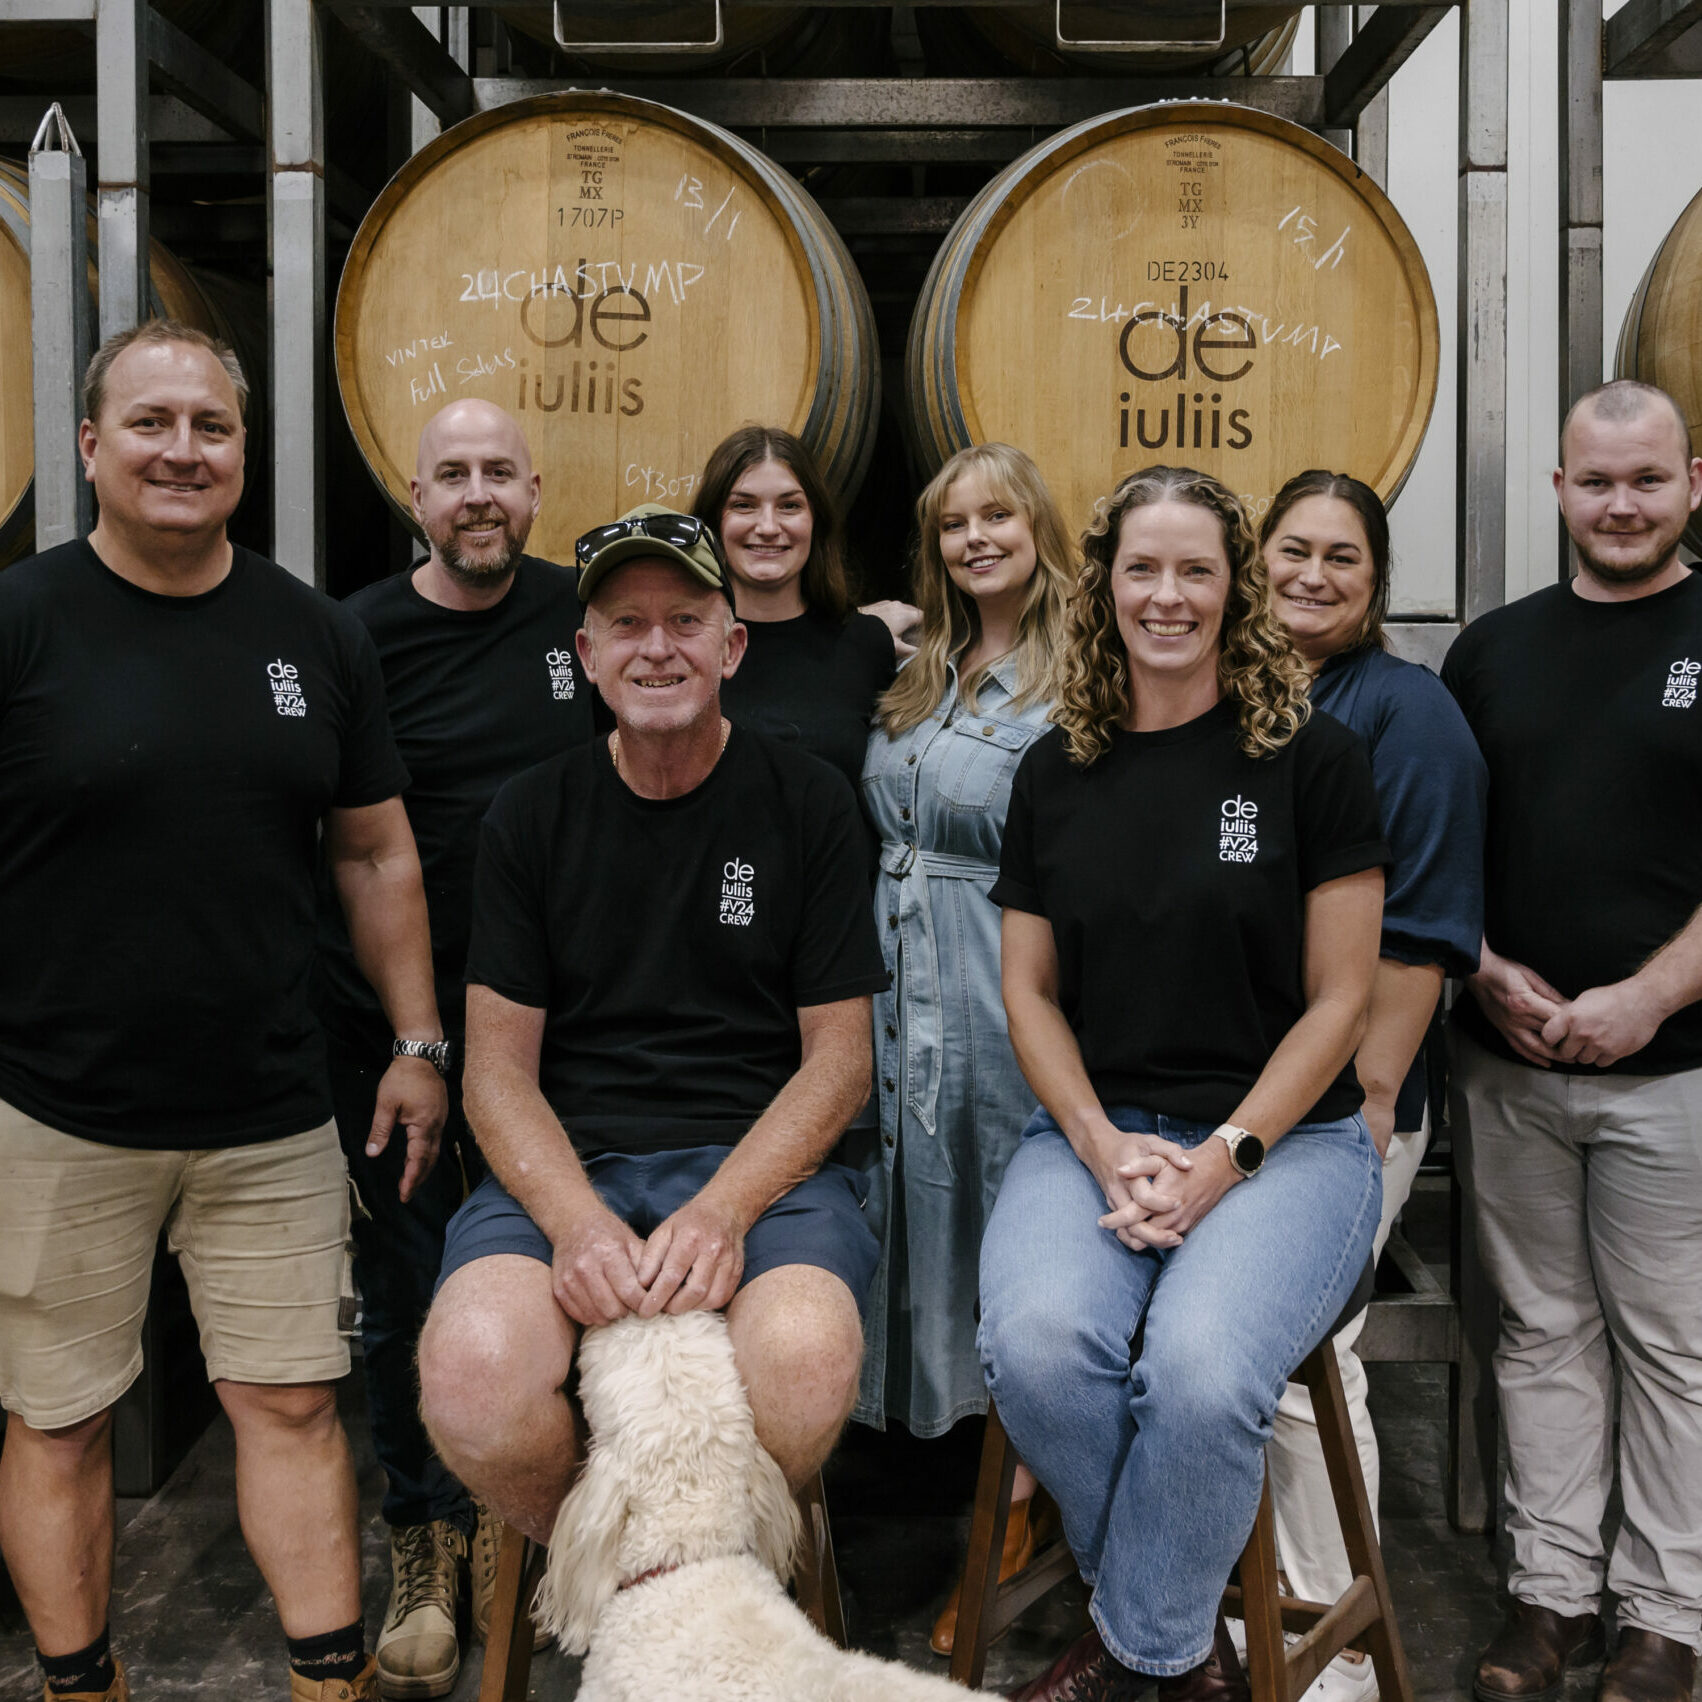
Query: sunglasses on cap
[683,531]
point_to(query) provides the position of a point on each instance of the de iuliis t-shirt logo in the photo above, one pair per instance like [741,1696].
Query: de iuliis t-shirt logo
[738,893]
[1237,830]
[1681,684]
[287,695]
[560,664]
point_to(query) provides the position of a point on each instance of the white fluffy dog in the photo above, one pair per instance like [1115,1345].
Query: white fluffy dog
[669,1556]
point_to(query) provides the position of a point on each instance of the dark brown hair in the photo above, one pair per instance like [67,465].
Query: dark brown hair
[157,331]
[826,585]
[1366,503]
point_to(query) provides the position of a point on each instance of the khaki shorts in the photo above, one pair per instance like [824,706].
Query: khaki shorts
[261,1232]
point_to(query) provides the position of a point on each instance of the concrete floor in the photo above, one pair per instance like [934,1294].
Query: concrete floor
[193,1619]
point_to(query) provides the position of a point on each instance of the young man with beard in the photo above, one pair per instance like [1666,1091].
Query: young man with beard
[180,722]
[1578,1061]
[477,648]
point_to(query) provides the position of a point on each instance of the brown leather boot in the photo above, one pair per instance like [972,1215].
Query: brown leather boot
[1529,1655]
[362,1687]
[1085,1672]
[1647,1667]
[1218,1678]
[117,1691]
[1018,1551]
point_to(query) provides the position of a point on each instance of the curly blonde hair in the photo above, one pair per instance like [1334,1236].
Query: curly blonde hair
[950,623]
[1257,667]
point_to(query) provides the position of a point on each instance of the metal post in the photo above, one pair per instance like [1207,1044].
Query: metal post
[59,328]
[1580,211]
[1371,134]
[121,53]
[1335,32]
[1480,514]
[296,241]
[423,123]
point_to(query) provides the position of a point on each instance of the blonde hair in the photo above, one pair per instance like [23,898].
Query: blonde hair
[1258,667]
[950,621]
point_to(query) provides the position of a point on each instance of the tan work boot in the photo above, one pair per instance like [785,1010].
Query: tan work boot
[117,1691]
[418,1653]
[482,1562]
[363,1687]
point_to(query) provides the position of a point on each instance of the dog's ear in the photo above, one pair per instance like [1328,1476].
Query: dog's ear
[778,1525]
[582,1573]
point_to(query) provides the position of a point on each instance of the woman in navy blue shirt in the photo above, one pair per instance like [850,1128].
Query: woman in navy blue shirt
[1326,548]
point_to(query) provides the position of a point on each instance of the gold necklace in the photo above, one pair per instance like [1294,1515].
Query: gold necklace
[615,748]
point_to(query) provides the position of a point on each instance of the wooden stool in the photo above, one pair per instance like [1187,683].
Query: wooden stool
[1362,1619]
[520,1563]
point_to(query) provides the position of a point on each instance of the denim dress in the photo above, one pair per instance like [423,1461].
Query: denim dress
[952,1100]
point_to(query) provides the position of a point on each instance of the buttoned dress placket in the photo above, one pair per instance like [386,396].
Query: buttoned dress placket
[952,1101]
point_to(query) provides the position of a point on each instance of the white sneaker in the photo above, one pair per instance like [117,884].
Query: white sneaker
[418,1653]
[1344,1680]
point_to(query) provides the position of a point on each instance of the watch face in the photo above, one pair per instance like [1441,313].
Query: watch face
[1249,1154]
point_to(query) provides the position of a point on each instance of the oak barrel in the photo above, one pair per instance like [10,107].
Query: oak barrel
[223,308]
[1023,38]
[1178,283]
[1660,340]
[630,282]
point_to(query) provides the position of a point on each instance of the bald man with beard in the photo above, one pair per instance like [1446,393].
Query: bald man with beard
[477,649]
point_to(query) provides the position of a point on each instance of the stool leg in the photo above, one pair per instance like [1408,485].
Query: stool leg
[508,1640]
[817,1572]
[1353,1510]
[986,1543]
[1267,1667]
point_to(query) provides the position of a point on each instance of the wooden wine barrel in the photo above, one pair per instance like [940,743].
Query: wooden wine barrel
[630,282]
[1024,39]
[1190,283]
[770,40]
[1660,340]
[223,308]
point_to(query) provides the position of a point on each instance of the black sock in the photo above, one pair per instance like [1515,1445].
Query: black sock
[88,1669]
[332,1654]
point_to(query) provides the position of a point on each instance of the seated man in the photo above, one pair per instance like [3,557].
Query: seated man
[671,961]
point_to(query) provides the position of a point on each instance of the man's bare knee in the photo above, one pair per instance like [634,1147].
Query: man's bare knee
[495,1347]
[304,1409]
[64,1447]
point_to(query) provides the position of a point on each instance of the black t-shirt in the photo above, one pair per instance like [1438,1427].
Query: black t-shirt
[1174,873]
[164,765]
[672,941]
[813,682]
[475,697]
[1587,716]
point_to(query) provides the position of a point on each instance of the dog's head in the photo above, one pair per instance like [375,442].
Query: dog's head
[674,1474]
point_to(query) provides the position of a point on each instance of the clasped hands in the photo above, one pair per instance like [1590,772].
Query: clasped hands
[602,1270]
[1157,1191]
[1600,1026]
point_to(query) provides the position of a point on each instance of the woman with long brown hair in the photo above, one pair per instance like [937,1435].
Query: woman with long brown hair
[1192,883]
[993,568]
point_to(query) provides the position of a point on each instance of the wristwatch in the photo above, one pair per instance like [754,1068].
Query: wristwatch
[1246,1152]
[435,1052]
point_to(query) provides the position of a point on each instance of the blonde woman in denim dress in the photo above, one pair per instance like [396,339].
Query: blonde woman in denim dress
[993,569]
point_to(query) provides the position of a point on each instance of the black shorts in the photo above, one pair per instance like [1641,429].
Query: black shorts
[820,1222]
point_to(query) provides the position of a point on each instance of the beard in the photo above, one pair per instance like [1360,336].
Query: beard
[495,561]
[1655,559]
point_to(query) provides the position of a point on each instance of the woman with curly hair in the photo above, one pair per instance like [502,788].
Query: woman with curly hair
[1192,881]
[993,568]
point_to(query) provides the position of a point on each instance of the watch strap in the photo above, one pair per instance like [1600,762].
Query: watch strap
[435,1052]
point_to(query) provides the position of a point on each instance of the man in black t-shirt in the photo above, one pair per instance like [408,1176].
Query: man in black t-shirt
[179,722]
[667,1030]
[1578,1060]
[476,644]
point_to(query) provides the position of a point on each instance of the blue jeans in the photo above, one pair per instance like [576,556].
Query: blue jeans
[1141,1388]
